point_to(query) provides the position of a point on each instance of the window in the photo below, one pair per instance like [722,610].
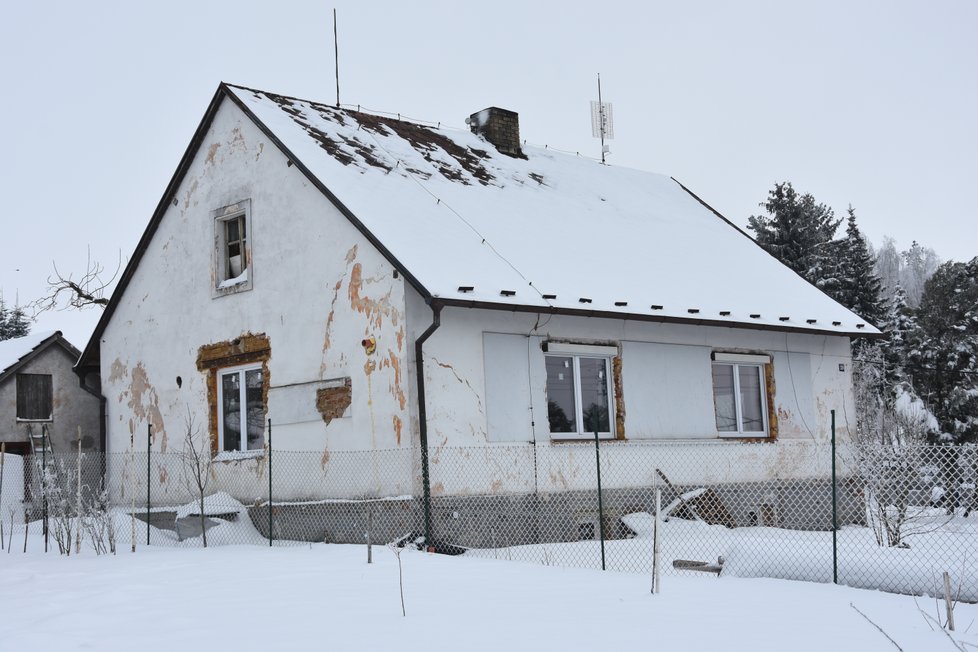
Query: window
[34,397]
[740,395]
[235,234]
[241,421]
[232,255]
[579,392]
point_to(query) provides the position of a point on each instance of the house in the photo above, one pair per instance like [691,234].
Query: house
[45,413]
[39,392]
[348,282]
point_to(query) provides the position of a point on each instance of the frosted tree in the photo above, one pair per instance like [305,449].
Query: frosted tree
[13,322]
[797,230]
[858,287]
[919,264]
[888,264]
[942,359]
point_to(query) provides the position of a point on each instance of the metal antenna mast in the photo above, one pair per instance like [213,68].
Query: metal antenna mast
[336,58]
[601,116]
[602,125]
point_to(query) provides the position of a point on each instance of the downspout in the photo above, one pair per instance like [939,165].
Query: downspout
[423,416]
[82,373]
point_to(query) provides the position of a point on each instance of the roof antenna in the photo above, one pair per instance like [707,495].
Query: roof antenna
[602,124]
[336,58]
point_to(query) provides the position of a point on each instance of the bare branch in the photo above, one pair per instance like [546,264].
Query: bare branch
[90,289]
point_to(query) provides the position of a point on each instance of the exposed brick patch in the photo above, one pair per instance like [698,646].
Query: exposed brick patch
[332,402]
[619,397]
[249,348]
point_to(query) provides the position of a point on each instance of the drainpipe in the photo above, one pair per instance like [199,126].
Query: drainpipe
[423,416]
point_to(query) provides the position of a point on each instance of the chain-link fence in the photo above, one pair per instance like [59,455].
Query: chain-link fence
[896,517]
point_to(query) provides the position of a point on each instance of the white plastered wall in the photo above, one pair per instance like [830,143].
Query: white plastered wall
[479,358]
[319,288]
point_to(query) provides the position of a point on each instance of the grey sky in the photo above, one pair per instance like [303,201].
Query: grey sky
[869,103]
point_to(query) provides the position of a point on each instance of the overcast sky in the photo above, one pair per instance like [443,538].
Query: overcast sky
[869,103]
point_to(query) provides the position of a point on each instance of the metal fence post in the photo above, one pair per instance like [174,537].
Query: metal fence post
[269,483]
[597,457]
[44,481]
[835,512]
[149,445]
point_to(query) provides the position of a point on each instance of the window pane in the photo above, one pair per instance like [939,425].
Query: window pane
[231,409]
[594,394]
[750,398]
[232,230]
[256,409]
[723,398]
[561,407]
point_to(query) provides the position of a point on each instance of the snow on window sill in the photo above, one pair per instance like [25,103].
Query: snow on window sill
[235,456]
[240,279]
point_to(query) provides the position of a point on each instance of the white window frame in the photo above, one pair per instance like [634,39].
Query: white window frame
[575,353]
[242,402]
[736,361]
[222,284]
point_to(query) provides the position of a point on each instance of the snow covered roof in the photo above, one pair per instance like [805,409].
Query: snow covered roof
[552,231]
[19,350]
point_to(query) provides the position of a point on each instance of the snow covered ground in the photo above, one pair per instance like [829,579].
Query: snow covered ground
[326,597]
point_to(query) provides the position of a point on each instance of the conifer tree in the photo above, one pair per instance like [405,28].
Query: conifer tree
[859,288]
[796,230]
[13,323]
[942,357]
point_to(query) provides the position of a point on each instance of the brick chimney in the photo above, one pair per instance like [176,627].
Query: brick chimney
[500,127]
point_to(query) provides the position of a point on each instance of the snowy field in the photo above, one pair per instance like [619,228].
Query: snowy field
[327,597]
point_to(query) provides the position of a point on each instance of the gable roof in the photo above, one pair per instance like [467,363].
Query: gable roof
[17,352]
[557,233]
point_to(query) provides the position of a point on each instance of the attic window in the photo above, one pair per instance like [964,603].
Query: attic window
[233,247]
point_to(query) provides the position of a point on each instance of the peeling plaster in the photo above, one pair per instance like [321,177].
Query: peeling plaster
[212,153]
[144,402]
[397,428]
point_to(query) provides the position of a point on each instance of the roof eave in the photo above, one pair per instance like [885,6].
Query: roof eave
[668,319]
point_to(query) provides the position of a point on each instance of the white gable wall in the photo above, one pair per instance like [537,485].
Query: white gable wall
[318,290]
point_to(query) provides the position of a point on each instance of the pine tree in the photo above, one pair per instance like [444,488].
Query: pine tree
[859,288]
[13,323]
[797,231]
[942,358]
[901,328]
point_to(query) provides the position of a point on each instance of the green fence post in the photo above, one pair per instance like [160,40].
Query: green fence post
[149,497]
[269,483]
[835,512]
[597,456]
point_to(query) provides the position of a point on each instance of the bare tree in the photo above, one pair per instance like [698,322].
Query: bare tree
[899,471]
[197,461]
[79,292]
